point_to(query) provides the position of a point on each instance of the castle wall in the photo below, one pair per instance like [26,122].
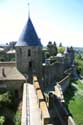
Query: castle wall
[64,83]
[23,59]
[68,59]
[11,84]
[53,72]
[15,85]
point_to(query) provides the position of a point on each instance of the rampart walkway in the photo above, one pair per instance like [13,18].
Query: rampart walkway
[34,109]
[30,111]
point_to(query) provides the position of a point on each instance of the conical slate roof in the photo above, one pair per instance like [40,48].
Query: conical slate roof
[29,36]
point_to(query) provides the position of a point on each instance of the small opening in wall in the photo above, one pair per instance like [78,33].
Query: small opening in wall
[30,64]
[29,52]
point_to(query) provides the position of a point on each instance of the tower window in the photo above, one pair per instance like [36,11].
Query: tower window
[29,52]
[30,64]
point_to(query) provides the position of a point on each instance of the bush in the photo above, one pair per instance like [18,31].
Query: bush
[61,50]
[17,119]
[79,64]
[2,120]
[5,97]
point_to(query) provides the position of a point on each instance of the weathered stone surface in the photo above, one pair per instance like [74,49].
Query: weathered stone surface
[23,60]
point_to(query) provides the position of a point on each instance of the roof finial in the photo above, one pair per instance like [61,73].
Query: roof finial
[28,10]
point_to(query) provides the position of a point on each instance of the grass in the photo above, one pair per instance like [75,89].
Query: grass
[79,83]
[74,101]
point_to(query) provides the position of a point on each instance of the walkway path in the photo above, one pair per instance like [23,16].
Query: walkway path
[34,109]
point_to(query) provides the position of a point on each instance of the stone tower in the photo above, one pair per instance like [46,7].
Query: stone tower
[29,51]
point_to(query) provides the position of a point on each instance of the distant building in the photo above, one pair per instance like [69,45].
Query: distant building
[11,55]
[1,50]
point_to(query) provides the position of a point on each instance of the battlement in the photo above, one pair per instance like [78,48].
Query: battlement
[45,116]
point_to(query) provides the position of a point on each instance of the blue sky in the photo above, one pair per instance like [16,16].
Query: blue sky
[54,20]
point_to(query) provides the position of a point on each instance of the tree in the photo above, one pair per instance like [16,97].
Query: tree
[17,118]
[49,47]
[2,120]
[52,48]
[60,45]
[55,48]
[79,64]
[5,98]
[61,50]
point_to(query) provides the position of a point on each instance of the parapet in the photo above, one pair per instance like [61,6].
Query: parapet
[11,63]
[45,116]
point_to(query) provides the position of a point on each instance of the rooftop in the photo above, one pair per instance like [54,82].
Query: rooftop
[1,49]
[11,51]
[8,71]
[29,36]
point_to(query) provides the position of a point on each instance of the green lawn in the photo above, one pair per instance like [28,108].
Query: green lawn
[74,101]
[79,83]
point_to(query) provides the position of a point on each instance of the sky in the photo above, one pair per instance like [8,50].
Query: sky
[54,20]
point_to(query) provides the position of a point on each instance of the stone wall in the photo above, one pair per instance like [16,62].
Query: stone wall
[15,85]
[11,84]
[23,59]
[53,72]
[45,116]
[56,71]
[64,83]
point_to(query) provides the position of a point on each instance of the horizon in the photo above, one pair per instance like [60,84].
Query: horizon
[56,20]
